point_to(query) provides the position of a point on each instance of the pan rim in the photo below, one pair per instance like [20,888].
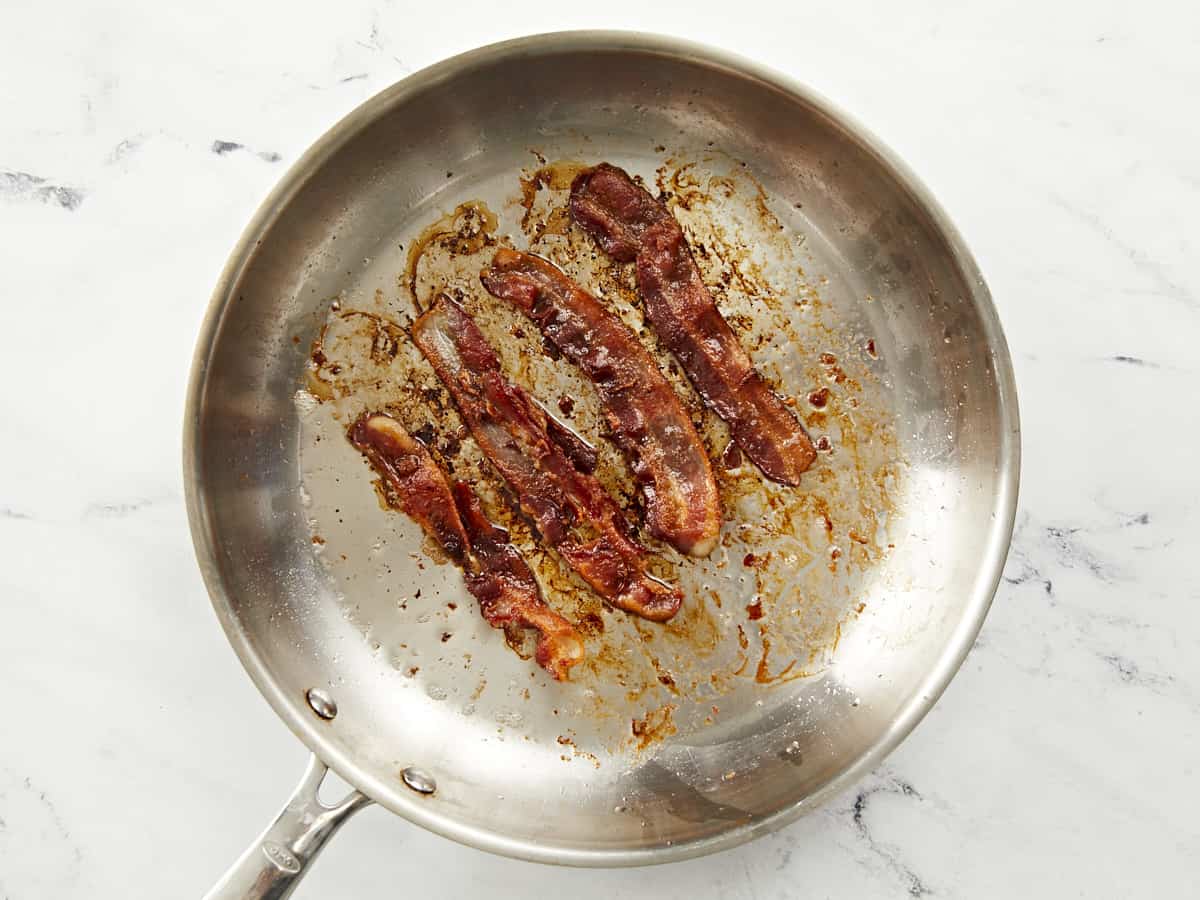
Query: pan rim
[418,811]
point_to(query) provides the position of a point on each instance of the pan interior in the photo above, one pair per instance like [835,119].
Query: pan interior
[319,587]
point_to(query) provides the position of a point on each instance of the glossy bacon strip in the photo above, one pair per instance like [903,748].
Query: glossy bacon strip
[508,593]
[570,508]
[645,416]
[630,224]
[496,573]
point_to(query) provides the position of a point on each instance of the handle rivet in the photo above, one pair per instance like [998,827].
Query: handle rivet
[322,704]
[419,780]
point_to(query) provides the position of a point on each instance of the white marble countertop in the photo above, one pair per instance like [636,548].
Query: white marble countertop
[136,138]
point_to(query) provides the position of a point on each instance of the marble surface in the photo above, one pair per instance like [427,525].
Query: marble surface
[137,138]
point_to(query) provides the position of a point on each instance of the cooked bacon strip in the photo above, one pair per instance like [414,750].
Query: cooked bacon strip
[411,481]
[579,451]
[496,574]
[570,508]
[645,417]
[630,224]
[508,593]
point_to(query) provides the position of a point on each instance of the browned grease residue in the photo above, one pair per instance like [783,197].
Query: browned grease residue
[762,674]
[556,176]
[795,562]
[655,725]
[468,229]
[568,741]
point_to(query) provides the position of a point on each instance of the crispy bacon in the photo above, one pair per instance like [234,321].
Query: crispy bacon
[496,574]
[645,417]
[569,507]
[630,224]
[579,451]
[508,593]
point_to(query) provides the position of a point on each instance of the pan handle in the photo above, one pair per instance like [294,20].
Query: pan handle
[274,864]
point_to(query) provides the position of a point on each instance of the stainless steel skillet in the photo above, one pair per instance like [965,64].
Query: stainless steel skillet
[499,757]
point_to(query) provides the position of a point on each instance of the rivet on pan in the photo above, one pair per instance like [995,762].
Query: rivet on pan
[322,704]
[419,780]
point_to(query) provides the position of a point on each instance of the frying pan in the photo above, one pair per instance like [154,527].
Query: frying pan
[499,757]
